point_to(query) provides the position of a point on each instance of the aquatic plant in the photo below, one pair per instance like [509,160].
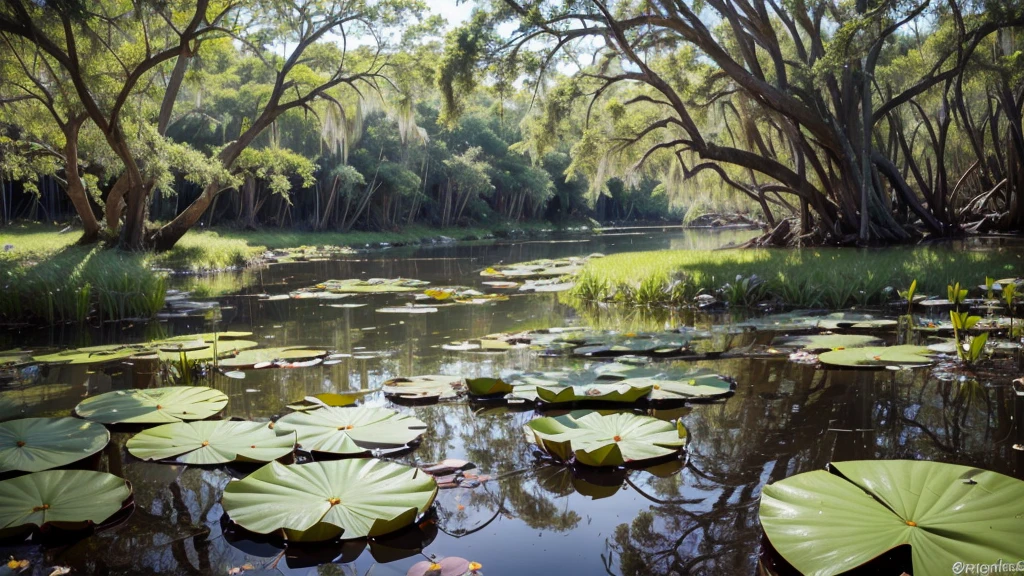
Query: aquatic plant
[69,499]
[592,439]
[319,501]
[351,431]
[37,444]
[829,522]
[212,442]
[153,406]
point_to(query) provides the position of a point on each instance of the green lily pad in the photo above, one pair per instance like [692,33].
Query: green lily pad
[270,357]
[623,391]
[822,342]
[825,524]
[14,357]
[537,269]
[36,444]
[408,309]
[661,383]
[371,286]
[353,498]
[351,430]
[612,440]
[696,385]
[66,499]
[434,387]
[854,320]
[213,442]
[209,336]
[878,357]
[92,354]
[153,406]
[487,386]
[329,399]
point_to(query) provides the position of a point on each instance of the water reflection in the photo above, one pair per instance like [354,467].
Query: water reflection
[696,515]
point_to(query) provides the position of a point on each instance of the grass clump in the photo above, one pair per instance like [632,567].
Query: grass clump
[826,277]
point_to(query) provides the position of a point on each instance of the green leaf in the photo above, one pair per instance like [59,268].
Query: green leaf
[351,430]
[68,498]
[270,357]
[213,442]
[487,386]
[612,440]
[875,357]
[825,524]
[36,444]
[623,391]
[153,406]
[353,498]
[823,342]
[371,286]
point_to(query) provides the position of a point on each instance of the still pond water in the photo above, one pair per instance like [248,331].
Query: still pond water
[698,516]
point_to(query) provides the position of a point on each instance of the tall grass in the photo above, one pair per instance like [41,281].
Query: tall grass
[833,278]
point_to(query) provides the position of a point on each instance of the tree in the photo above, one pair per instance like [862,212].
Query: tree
[786,101]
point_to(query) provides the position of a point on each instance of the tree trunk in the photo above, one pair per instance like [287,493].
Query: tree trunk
[76,188]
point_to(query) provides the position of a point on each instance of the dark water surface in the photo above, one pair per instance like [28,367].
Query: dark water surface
[695,516]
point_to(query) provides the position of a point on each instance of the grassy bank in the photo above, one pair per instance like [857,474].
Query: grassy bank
[833,278]
[46,277]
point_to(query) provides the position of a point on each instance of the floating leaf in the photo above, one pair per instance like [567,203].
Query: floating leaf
[351,430]
[213,442]
[14,357]
[92,354]
[823,342]
[612,440]
[68,499]
[36,444]
[330,399]
[487,386]
[828,523]
[873,357]
[271,357]
[622,391]
[153,406]
[352,498]
[425,387]
[371,286]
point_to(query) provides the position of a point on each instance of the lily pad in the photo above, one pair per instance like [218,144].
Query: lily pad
[213,442]
[68,499]
[623,391]
[271,357]
[153,406]
[613,440]
[878,357]
[36,444]
[537,269]
[351,430]
[329,399]
[487,386]
[371,286]
[351,498]
[92,354]
[14,357]
[823,342]
[434,387]
[828,523]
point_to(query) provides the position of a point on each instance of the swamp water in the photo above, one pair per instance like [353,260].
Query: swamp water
[696,515]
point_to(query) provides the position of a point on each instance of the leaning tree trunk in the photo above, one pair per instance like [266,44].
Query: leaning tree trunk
[76,189]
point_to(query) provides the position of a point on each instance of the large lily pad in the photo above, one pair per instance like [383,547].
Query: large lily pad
[825,524]
[623,391]
[351,430]
[613,440]
[822,342]
[271,357]
[213,442]
[875,357]
[93,354]
[604,382]
[353,498]
[36,444]
[433,387]
[62,498]
[371,286]
[153,406]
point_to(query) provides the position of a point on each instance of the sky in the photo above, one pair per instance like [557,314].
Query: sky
[454,13]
